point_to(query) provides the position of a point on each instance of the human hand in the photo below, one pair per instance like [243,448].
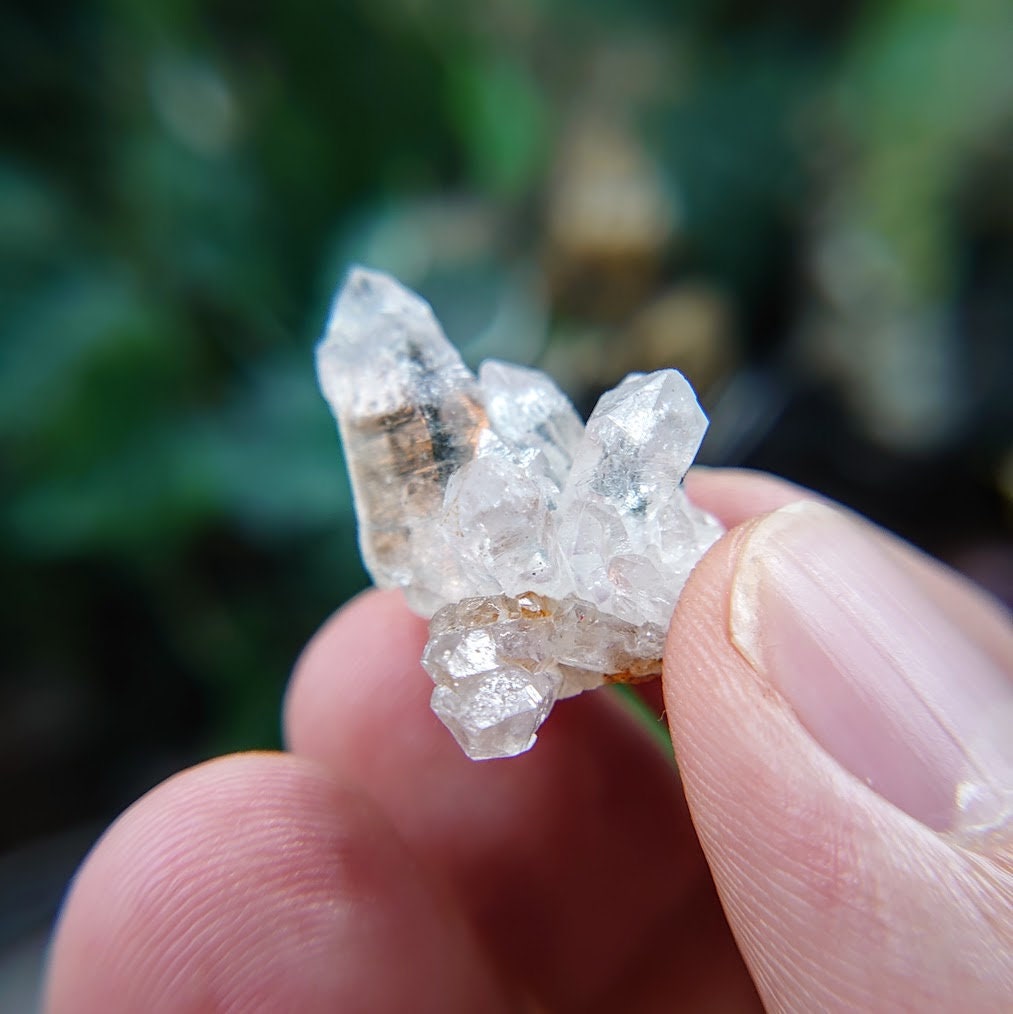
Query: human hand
[842,714]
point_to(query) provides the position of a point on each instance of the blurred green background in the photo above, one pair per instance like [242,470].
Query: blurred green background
[807,208]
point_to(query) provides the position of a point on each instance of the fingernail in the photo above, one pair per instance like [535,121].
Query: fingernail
[876,672]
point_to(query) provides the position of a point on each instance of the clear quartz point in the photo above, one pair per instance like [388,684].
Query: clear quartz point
[549,554]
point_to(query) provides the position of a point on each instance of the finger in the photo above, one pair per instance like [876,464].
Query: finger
[844,740]
[735,495]
[257,883]
[569,859]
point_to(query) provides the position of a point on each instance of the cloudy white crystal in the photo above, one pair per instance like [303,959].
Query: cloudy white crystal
[549,554]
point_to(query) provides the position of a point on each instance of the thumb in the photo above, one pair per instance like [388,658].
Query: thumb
[842,713]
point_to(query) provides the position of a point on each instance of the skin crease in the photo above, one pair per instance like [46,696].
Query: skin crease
[375,868]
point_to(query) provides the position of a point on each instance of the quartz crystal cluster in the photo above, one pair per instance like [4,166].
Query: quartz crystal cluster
[548,554]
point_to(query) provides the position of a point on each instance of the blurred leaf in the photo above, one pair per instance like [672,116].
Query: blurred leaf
[730,153]
[502,118]
[273,455]
[269,463]
[83,353]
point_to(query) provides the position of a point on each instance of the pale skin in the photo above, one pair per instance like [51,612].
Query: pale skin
[373,867]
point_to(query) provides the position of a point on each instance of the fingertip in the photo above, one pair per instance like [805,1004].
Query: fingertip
[254,882]
[734,495]
[837,897]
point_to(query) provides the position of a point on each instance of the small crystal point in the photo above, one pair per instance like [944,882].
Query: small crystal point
[498,715]
[532,417]
[551,554]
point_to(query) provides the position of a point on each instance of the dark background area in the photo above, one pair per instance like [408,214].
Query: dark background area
[806,208]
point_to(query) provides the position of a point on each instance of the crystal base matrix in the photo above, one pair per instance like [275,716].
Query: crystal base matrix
[549,554]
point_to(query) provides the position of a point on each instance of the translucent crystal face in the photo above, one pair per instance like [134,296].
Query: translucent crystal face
[552,554]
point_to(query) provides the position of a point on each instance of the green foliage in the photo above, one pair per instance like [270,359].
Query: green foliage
[501,118]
